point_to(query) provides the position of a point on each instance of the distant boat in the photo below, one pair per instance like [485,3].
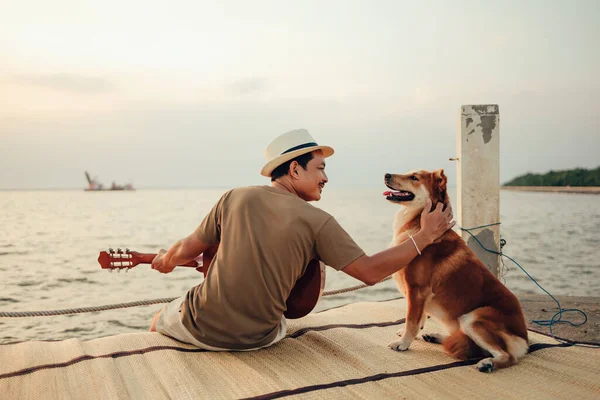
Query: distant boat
[95,186]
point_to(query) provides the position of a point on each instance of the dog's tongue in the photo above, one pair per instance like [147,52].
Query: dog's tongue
[399,193]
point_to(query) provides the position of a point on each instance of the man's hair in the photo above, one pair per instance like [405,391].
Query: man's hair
[283,169]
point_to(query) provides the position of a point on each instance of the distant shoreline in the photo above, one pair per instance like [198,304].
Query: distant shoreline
[555,189]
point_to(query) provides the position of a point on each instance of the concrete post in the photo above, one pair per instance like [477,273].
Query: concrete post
[478,180]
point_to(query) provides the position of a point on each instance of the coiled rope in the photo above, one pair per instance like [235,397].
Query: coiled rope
[556,318]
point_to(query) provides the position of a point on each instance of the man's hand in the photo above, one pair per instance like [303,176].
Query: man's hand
[159,263]
[435,223]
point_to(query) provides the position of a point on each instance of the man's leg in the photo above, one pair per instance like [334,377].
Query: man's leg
[168,322]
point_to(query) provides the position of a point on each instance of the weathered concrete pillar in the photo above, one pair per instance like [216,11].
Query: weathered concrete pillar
[478,179]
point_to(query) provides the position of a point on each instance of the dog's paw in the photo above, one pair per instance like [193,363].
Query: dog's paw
[485,365]
[432,338]
[398,345]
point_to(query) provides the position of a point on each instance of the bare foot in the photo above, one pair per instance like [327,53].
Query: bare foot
[154,321]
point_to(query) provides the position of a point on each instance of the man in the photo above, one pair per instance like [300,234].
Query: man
[266,235]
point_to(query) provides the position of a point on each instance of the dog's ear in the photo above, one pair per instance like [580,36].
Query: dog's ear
[439,185]
[440,179]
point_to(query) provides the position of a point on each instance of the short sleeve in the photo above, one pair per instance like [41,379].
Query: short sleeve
[335,247]
[209,231]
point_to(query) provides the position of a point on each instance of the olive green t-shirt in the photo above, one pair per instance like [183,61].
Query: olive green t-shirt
[266,239]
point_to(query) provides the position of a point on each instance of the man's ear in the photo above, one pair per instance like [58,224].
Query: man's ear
[293,171]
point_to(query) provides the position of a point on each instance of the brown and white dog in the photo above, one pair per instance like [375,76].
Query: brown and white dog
[450,284]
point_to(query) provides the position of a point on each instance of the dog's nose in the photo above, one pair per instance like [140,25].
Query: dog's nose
[388,176]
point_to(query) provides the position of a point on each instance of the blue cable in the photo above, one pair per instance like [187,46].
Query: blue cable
[554,320]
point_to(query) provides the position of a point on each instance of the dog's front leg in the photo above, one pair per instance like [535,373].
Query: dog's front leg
[414,316]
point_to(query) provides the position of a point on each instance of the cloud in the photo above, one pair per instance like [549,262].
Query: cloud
[73,83]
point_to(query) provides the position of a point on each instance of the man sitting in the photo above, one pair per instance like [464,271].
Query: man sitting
[264,237]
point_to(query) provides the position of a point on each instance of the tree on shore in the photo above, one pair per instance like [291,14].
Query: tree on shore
[571,177]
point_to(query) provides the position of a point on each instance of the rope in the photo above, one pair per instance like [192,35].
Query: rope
[554,320]
[84,309]
[352,288]
[49,313]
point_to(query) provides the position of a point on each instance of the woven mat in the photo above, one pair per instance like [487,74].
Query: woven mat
[340,353]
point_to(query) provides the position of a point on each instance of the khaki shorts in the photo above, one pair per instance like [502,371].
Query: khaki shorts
[169,324]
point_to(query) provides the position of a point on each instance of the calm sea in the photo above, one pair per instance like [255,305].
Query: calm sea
[49,243]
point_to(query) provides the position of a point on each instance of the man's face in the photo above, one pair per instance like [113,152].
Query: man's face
[309,183]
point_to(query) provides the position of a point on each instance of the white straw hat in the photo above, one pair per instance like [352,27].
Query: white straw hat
[288,146]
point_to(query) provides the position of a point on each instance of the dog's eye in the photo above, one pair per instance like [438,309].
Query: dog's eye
[414,178]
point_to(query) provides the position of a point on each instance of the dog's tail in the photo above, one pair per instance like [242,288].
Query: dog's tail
[460,346]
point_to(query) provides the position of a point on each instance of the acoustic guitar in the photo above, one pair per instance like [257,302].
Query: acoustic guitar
[302,299]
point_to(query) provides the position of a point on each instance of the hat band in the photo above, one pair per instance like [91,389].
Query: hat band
[301,146]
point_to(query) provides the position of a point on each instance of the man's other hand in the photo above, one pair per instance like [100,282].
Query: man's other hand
[159,263]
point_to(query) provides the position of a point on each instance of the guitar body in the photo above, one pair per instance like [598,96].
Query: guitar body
[307,291]
[301,301]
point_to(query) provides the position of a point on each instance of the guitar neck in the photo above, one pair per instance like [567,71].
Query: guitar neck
[146,258]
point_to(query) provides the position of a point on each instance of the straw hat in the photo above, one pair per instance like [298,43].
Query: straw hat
[288,146]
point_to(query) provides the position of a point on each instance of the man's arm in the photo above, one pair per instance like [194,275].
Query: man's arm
[183,251]
[372,269]
[189,248]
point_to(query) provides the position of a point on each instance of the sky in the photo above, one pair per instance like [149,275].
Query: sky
[189,93]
